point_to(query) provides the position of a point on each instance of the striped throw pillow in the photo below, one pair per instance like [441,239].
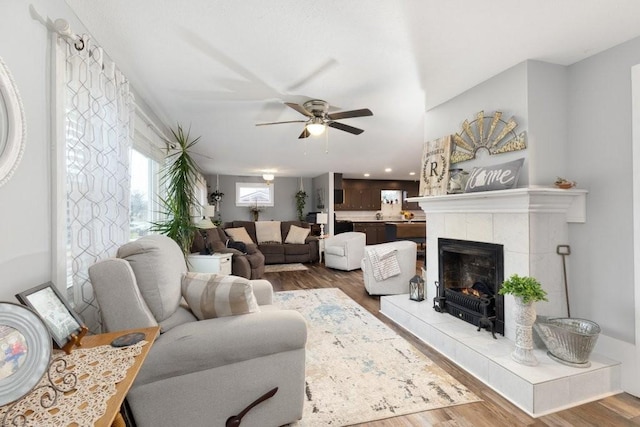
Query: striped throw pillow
[213,295]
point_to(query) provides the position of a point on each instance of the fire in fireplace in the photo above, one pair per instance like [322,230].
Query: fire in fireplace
[470,275]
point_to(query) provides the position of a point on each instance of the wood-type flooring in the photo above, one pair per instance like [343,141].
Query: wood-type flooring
[620,410]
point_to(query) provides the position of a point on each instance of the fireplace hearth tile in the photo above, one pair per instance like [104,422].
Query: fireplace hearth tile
[538,390]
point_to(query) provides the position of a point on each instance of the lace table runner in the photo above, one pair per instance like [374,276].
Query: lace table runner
[76,388]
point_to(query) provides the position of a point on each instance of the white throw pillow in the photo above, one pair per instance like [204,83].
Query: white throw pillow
[213,295]
[239,235]
[297,235]
[268,232]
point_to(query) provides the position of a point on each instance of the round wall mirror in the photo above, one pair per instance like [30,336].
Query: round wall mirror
[12,125]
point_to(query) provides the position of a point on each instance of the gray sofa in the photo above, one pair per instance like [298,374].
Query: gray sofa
[282,253]
[200,372]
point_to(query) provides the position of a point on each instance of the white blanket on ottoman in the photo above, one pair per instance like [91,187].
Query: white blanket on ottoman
[384,262]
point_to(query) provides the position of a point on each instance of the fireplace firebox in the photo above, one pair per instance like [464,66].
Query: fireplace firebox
[470,275]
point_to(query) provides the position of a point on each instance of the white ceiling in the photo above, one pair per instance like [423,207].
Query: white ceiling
[222,66]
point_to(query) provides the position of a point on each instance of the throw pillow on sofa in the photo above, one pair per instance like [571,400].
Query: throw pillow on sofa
[239,235]
[297,235]
[268,232]
[213,295]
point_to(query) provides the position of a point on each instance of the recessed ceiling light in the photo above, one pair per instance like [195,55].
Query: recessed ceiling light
[412,173]
[387,170]
[366,174]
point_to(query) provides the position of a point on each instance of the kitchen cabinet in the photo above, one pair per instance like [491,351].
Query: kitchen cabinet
[375,231]
[365,194]
[359,199]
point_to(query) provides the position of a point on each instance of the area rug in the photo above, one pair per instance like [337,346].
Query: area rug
[278,268]
[358,369]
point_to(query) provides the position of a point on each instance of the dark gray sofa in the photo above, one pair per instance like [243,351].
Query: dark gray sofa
[282,253]
[248,264]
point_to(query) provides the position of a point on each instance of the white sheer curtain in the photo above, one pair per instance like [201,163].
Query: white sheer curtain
[99,113]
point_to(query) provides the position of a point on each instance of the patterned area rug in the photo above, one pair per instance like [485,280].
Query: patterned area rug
[358,369]
[277,268]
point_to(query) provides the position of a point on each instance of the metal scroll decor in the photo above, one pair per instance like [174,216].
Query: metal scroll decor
[489,132]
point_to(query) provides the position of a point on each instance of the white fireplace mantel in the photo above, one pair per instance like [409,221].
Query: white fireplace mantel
[572,202]
[530,223]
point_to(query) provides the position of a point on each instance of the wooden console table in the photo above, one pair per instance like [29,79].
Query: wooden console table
[122,388]
[114,379]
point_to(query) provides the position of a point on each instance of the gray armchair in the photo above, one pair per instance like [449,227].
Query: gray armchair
[200,372]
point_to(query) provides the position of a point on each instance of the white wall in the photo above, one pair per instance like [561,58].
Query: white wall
[505,92]
[601,147]
[601,161]
[25,201]
[547,118]
[284,208]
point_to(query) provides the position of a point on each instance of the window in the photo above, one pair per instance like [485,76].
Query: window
[254,193]
[144,190]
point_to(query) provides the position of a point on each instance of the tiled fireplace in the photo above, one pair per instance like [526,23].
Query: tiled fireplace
[529,224]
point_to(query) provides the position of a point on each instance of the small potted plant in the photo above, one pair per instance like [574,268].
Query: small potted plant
[255,211]
[526,291]
[527,288]
[301,197]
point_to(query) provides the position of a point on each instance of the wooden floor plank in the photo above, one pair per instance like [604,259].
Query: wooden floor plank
[619,410]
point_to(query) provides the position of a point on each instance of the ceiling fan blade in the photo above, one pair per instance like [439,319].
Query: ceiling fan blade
[346,128]
[299,109]
[278,123]
[305,133]
[348,114]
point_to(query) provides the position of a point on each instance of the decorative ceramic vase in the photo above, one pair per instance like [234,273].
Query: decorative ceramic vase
[525,316]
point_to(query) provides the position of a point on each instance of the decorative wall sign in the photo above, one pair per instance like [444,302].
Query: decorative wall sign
[489,132]
[434,175]
[497,177]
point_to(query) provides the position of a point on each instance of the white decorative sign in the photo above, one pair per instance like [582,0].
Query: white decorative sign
[434,175]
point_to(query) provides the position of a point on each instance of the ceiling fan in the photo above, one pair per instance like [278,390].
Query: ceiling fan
[318,118]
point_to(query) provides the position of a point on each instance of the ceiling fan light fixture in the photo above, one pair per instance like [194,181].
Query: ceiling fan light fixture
[268,177]
[316,127]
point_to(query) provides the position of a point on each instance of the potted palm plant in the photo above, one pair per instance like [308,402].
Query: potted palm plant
[526,291]
[179,177]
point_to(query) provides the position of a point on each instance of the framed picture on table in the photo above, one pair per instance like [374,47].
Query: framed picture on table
[47,301]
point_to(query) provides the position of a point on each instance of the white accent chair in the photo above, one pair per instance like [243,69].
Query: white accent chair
[344,251]
[200,372]
[406,253]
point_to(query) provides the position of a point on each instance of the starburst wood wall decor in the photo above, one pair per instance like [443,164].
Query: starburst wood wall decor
[489,132]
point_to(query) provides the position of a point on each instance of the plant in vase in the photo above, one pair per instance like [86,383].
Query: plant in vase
[215,197]
[255,211]
[301,197]
[526,291]
[179,176]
